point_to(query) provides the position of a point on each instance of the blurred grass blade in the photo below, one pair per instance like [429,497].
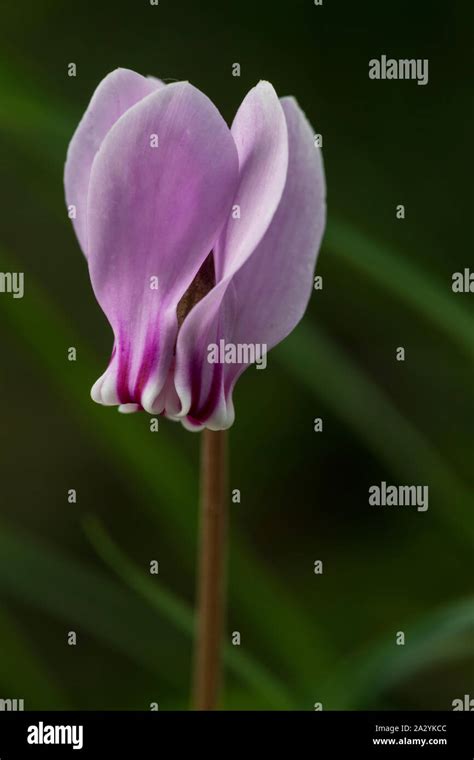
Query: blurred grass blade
[402,277]
[363,406]
[34,572]
[154,593]
[20,110]
[446,634]
[242,664]
[22,673]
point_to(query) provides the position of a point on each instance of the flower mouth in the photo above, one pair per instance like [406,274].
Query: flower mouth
[204,281]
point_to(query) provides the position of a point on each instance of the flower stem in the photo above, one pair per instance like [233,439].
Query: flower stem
[211,585]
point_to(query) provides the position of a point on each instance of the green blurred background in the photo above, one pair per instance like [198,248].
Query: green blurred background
[83,567]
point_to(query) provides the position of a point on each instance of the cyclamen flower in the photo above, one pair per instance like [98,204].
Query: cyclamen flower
[194,234]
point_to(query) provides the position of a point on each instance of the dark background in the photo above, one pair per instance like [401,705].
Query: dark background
[83,567]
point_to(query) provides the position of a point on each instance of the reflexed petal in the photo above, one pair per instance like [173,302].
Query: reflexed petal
[268,295]
[116,93]
[261,137]
[273,287]
[154,214]
[260,134]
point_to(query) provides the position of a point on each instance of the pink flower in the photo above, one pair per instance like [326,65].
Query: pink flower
[195,235]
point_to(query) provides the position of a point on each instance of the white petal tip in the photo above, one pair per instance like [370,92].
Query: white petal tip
[128,408]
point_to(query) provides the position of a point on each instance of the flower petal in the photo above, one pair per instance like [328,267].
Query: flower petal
[260,134]
[273,287]
[160,190]
[268,295]
[261,137]
[116,93]
[200,384]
